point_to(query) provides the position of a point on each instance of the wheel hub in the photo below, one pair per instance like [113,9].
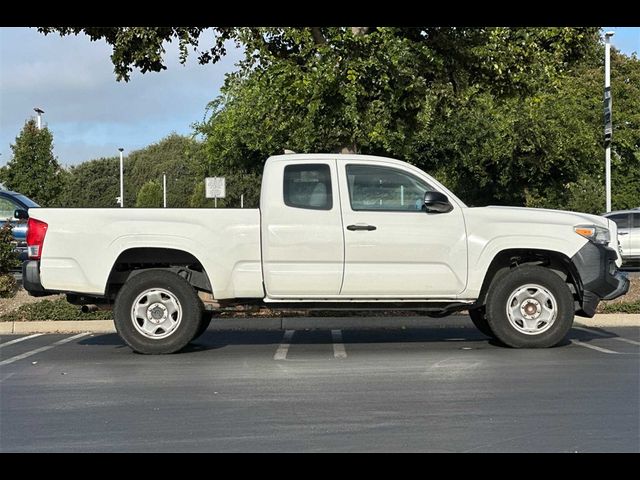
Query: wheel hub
[157,313]
[530,309]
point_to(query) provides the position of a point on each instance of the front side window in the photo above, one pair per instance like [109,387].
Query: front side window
[308,186]
[385,189]
[636,220]
[622,220]
[7,208]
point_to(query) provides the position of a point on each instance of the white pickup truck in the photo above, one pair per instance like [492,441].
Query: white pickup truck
[338,231]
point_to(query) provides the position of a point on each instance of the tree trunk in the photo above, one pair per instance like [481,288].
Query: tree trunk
[317,35]
[359,30]
[348,149]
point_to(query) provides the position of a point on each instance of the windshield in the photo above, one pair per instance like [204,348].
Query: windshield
[27,201]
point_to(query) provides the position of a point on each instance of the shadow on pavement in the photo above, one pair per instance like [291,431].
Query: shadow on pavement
[214,339]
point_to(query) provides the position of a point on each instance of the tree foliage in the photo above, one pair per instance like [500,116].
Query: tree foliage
[525,131]
[8,257]
[95,183]
[501,115]
[180,158]
[150,195]
[33,170]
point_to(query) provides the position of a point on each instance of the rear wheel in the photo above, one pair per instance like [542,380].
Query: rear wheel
[157,312]
[530,307]
[479,319]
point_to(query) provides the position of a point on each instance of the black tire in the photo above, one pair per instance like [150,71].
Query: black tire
[498,298]
[479,318]
[205,320]
[190,309]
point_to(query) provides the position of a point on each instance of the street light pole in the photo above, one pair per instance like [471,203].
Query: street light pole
[164,189]
[608,124]
[121,178]
[39,111]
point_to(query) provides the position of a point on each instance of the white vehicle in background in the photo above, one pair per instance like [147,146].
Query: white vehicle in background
[628,222]
[339,231]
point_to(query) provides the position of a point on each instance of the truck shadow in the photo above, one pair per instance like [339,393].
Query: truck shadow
[214,339]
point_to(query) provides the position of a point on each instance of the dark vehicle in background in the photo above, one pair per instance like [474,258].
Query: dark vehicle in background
[9,203]
[628,222]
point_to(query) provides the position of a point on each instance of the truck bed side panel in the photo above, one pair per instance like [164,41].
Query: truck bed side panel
[81,245]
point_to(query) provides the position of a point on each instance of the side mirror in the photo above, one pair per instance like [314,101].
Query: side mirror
[21,214]
[436,202]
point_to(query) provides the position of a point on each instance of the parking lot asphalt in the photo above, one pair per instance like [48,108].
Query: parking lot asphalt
[447,388]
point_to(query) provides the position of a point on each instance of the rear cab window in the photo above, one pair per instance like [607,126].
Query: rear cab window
[308,186]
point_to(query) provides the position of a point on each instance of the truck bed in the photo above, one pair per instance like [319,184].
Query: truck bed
[83,244]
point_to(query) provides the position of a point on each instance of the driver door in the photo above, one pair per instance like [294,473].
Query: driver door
[394,249]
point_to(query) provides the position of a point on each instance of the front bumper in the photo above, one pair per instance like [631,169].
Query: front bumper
[599,277]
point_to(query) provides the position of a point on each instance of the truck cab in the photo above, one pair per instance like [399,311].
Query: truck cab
[331,225]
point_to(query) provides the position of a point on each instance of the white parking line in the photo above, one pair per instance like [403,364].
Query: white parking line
[283,349]
[626,340]
[18,340]
[338,347]
[42,349]
[593,347]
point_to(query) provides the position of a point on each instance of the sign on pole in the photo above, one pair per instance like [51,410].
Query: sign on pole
[215,187]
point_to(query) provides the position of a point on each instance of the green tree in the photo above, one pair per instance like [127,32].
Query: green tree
[33,170]
[150,195]
[242,188]
[181,158]
[8,257]
[352,88]
[543,149]
[95,183]
[198,198]
[502,115]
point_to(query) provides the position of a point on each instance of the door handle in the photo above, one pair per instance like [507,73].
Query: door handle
[361,226]
[623,233]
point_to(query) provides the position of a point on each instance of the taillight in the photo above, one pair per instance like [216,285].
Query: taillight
[36,230]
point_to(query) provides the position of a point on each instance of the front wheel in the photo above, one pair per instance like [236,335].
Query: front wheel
[205,321]
[157,312]
[530,307]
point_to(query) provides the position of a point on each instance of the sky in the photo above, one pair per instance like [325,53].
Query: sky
[91,114]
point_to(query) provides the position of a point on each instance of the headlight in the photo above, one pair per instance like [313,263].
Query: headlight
[594,233]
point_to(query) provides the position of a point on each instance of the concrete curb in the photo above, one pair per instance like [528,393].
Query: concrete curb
[302,323]
[611,320]
[58,326]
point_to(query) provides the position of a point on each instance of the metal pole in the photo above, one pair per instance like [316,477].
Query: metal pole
[121,179]
[215,202]
[242,201]
[607,89]
[39,111]
[164,189]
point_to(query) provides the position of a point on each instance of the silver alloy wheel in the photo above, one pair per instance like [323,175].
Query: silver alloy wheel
[532,309]
[156,313]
